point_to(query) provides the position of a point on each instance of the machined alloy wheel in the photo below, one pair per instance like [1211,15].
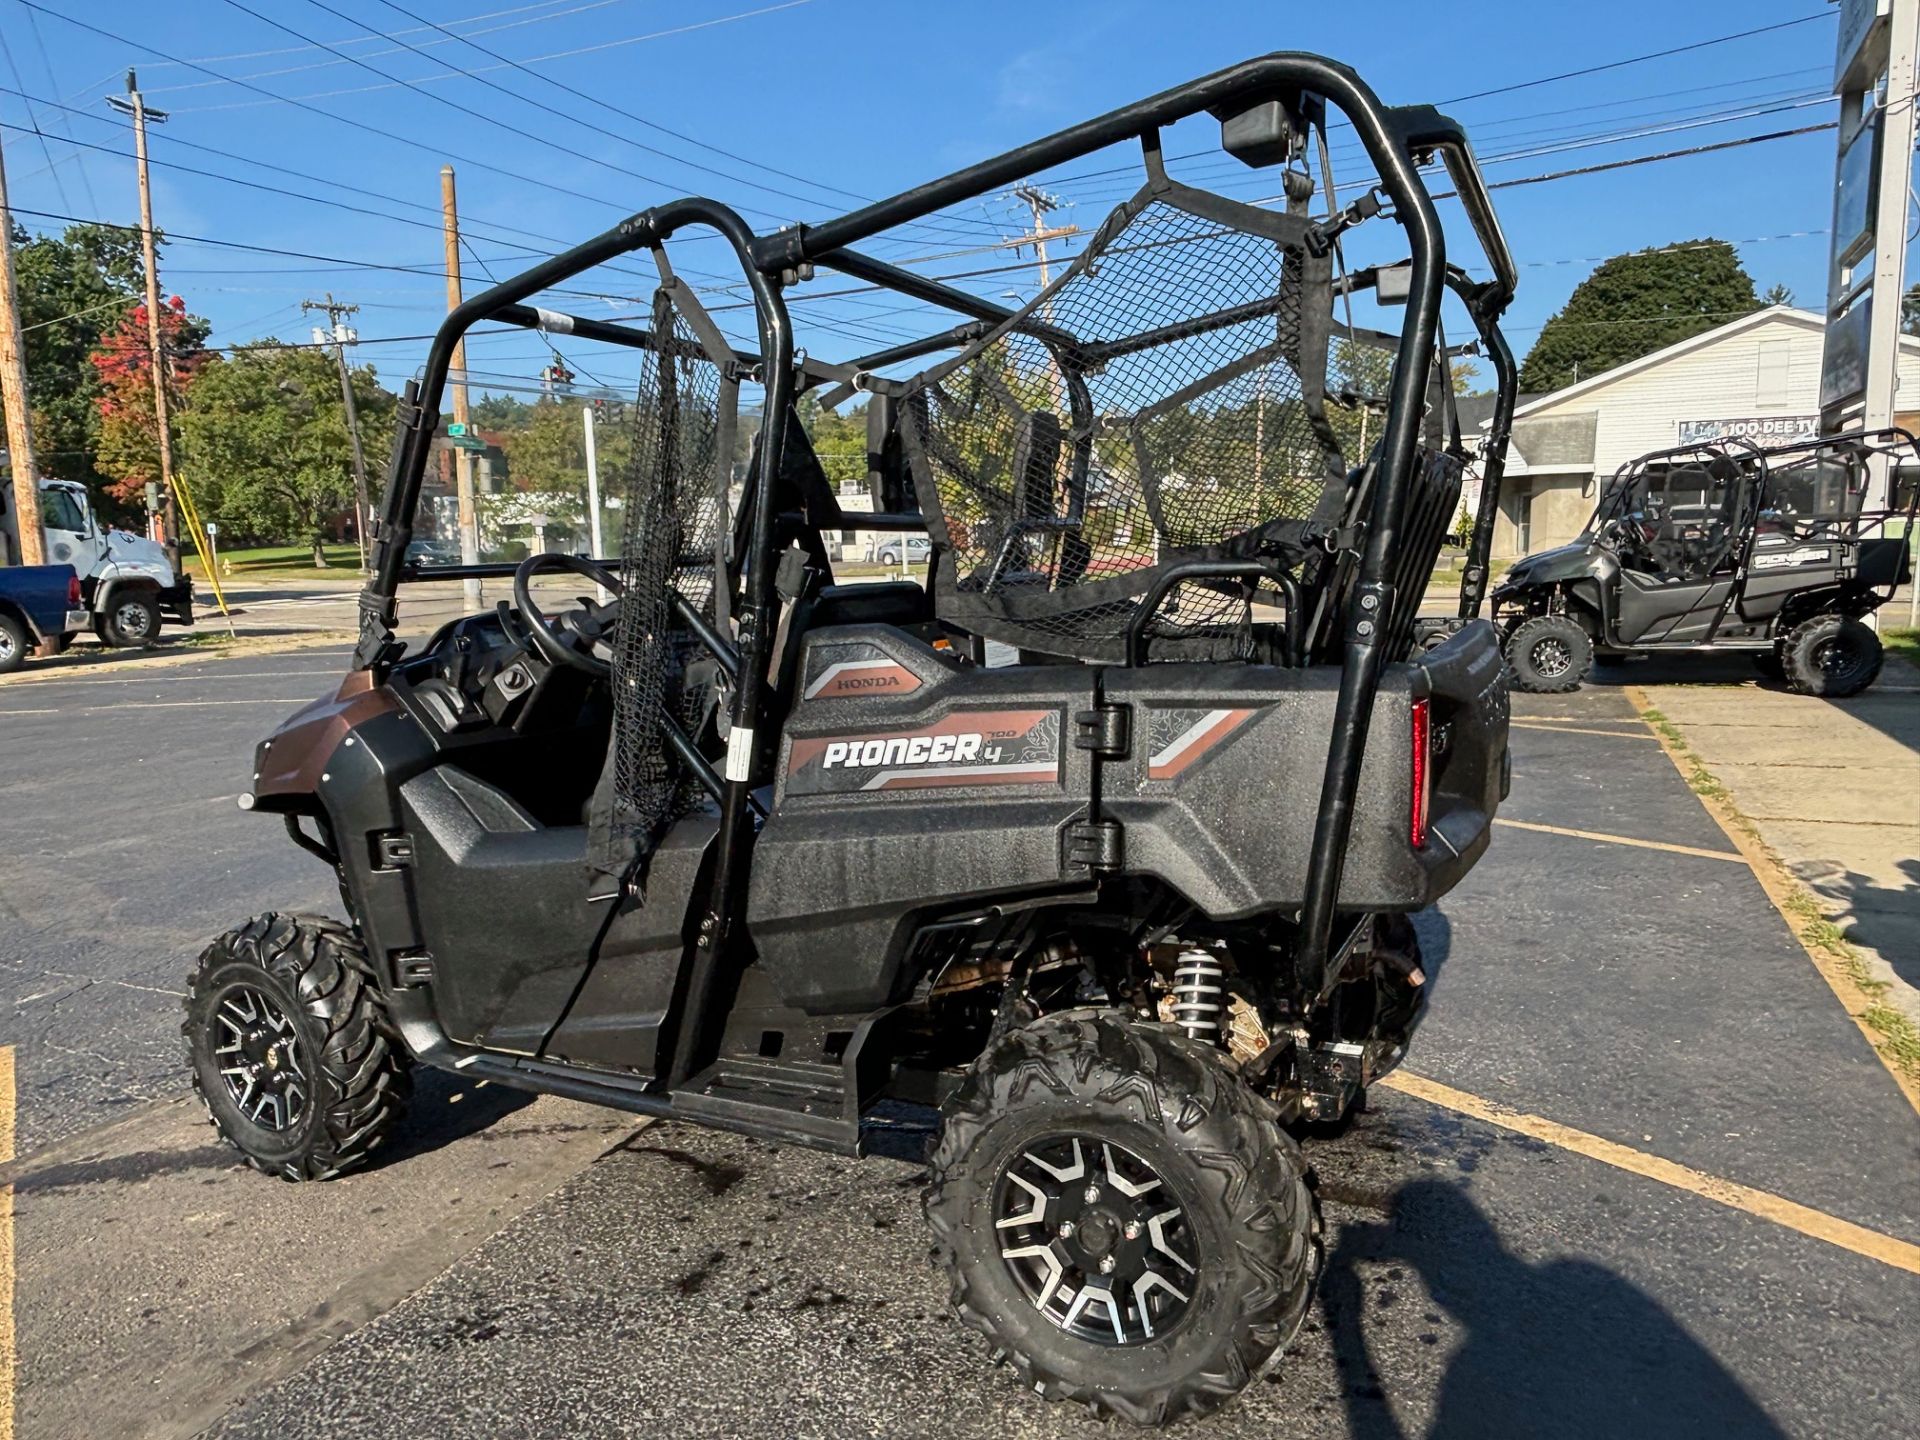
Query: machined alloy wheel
[289,1046]
[1122,1216]
[259,1054]
[1095,1239]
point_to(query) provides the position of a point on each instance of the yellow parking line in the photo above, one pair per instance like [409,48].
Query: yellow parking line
[1575,730]
[1762,1204]
[8,1367]
[1607,839]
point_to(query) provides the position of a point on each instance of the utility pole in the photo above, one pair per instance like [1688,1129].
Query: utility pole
[462,460]
[163,426]
[13,394]
[340,335]
[1039,202]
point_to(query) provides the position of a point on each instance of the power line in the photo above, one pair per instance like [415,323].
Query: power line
[1639,59]
[361,39]
[330,116]
[59,185]
[639,120]
[537,59]
[466,110]
[46,64]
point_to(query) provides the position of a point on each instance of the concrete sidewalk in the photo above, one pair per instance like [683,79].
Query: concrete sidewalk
[1834,789]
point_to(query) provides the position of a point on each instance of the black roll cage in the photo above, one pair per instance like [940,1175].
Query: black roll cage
[1398,142]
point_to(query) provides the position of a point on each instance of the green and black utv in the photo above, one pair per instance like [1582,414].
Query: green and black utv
[1097,848]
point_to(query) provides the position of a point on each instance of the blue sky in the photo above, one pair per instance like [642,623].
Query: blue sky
[852,97]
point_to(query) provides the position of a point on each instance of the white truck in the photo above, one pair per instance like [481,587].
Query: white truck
[127,583]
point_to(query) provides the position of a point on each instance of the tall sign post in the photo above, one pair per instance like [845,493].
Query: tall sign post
[1874,76]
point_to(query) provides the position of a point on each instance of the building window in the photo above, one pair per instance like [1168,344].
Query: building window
[1773,377]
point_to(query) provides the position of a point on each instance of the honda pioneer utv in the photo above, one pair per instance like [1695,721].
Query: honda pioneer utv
[1722,547]
[1099,847]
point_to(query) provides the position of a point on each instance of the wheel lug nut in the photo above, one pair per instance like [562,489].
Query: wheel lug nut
[1093,1193]
[1106,1264]
[1066,1229]
[1133,1229]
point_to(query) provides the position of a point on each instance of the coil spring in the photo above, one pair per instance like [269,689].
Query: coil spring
[1198,994]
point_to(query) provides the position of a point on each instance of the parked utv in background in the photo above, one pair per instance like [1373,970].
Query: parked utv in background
[1722,547]
[751,849]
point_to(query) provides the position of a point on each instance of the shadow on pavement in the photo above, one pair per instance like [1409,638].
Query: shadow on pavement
[445,1108]
[1562,1348]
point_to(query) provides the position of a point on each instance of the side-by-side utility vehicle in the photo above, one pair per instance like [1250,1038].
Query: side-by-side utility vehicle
[1097,849]
[1725,547]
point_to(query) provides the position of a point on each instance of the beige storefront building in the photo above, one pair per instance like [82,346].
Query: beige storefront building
[1758,377]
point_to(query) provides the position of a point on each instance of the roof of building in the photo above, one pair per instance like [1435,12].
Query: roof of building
[1769,315]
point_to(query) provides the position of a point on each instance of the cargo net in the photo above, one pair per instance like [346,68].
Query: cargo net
[1163,401]
[675,499]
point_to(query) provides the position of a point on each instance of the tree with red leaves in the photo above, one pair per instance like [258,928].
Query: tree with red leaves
[129,451]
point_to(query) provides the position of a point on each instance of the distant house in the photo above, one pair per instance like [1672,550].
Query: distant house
[1757,377]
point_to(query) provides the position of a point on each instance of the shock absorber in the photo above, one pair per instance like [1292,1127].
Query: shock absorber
[1198,995]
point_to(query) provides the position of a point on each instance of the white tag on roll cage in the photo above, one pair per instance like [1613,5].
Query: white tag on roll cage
[554,321]
[739,753]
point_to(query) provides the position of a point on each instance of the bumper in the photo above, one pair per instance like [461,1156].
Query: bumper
[77,620]
[176,601]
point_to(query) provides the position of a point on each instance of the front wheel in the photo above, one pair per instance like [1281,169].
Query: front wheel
[1123,1217]
[288,1044]
[1549,654]
[1831,656]
[133,620]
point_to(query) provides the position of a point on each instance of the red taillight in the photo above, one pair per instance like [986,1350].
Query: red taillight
[73,591]
[1422,772]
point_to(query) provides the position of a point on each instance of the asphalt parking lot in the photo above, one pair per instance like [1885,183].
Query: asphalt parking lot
[1645,1176]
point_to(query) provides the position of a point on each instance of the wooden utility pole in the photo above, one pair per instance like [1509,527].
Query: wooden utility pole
[13,394]
[338,334]
[163,425]
[462,458]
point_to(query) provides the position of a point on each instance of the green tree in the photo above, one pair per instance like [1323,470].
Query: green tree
[265,443]
[1777,295]
[1910,311]
[74,288]
[1633,305]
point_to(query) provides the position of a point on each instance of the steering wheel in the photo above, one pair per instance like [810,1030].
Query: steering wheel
[569,639]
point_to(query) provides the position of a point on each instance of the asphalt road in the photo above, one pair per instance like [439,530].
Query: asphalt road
[543,1268]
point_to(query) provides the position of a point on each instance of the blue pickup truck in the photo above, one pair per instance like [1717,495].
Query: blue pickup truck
[37,603]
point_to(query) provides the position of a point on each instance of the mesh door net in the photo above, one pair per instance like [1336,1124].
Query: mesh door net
[1163,401]
[675,499]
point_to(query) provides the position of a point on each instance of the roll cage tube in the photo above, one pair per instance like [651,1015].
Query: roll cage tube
[1396,141]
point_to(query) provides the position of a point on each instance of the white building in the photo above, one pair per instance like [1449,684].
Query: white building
[1757,377]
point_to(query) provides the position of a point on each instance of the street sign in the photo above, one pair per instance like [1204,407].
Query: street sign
[456,427]
[212,529]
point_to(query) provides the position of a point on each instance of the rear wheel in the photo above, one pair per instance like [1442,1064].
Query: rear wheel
[287,1040]
[15,645]
[1549,654]
[1122,1217]
[1832,656]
